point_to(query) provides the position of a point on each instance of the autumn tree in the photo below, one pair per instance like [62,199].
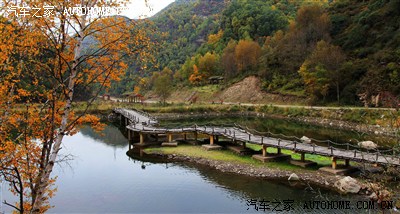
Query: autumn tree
[269,59]
[195,78]
[228,60]
[209,64]
[163,84]
[322,70]
[144,83]
[285,51]
[215,38]
[56,52]
[183,74]
[247,54]
[312,24]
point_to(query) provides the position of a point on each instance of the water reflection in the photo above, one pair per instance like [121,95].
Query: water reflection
[110,136]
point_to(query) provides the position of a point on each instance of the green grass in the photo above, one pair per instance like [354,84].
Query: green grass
[285,91]
[221,155]
[207,88]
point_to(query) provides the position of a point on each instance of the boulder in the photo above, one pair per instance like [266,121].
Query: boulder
[348,185]
[293,177]
[373,197]
[367,145]
[305,139]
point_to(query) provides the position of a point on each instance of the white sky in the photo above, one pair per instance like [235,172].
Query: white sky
[137,8]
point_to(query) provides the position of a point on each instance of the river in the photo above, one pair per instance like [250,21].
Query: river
[103,179]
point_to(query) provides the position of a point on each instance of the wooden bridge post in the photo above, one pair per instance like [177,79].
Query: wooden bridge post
[303,156]
[334,163]
[347,162]
[279,151]
[216,138]
[184,136]
[141,138]
[264,150]
[211,139]
[169,138]
[195,136]
[244,145]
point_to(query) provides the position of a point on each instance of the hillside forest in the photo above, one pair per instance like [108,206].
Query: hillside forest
[339,52]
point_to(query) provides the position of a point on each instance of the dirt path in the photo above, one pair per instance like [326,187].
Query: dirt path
[310,107]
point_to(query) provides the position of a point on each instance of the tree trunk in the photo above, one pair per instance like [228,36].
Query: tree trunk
[338,93]
[44,177]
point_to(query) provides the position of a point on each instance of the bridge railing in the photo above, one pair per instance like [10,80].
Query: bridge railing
[133,119]
[145,114]
[334,147]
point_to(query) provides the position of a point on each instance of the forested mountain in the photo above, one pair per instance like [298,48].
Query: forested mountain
[369,33]
[183,27]
[328,51]
[179,30]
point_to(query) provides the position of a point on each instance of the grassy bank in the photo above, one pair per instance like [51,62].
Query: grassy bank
[219,155]
[231,157]
[369,116]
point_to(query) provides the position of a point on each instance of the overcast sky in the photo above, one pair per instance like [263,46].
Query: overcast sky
[137,8]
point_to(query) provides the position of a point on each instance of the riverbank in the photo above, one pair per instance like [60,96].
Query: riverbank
[227,162]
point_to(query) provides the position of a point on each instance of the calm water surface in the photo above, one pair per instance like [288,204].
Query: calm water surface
[103,179]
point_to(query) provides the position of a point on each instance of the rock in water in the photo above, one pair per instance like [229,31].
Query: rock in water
[348,185]
[293,177]
[368,145]
[305,139]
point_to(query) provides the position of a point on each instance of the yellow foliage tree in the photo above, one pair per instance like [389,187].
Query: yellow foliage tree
[214,38]
[321,71]
[42,61]
[247,54]
[208,64]
[136,90]
[196,77]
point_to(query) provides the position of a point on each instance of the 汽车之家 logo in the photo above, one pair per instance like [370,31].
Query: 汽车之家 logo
[25,11]
[48,10]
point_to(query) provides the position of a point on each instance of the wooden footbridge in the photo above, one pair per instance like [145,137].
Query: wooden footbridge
[140,124]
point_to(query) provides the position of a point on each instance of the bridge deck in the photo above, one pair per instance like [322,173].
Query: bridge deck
[144,123]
